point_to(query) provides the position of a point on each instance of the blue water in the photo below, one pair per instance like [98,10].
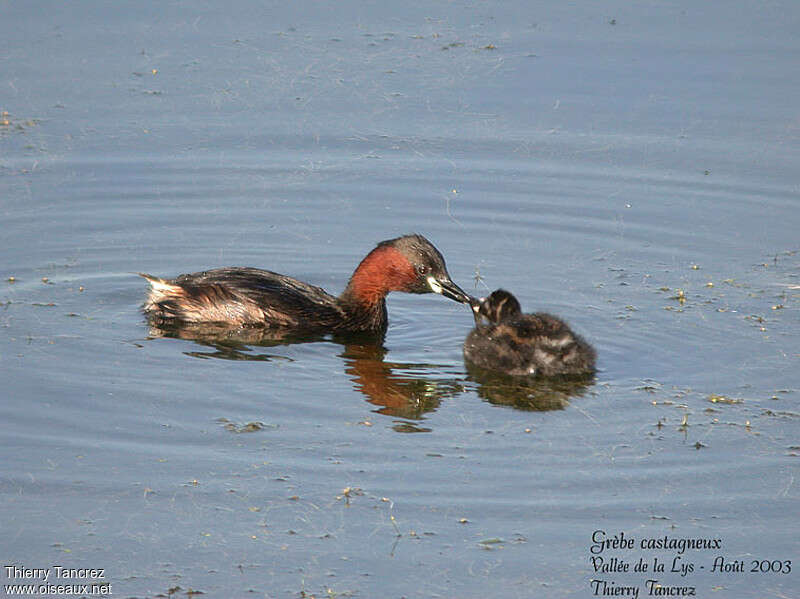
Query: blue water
[597,160]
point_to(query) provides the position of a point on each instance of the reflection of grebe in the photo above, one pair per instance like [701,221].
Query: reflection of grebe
[250,296]
[389,386]
[524,344]
[394,392]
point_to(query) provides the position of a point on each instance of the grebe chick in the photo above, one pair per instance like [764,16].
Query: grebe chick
[524,344]
[240,296]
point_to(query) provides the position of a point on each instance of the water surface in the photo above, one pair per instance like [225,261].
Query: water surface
[630,168]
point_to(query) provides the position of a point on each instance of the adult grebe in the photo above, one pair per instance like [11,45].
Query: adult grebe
[241,296]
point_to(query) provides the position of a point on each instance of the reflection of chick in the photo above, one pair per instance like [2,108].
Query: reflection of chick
[524,344]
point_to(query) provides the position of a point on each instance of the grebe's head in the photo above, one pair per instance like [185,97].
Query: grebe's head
[409,263]
[499,306]
[425,271]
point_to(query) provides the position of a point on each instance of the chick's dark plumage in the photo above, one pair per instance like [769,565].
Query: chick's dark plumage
[524,344]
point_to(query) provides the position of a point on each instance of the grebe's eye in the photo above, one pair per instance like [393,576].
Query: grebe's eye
[422,269]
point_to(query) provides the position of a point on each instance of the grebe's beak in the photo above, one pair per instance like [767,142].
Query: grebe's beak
[448,289]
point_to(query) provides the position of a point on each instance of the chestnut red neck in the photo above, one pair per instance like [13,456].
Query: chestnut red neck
[383,270]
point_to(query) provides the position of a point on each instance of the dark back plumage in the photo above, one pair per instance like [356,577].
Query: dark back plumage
[251,296]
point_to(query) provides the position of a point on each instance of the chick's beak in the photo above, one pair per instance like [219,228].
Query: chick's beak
[448,289]
[475,304]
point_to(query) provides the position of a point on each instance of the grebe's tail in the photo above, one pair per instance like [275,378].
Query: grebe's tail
[160,285]
[161,298]
[189,302]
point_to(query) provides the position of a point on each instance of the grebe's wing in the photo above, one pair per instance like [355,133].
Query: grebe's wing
[281,300]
